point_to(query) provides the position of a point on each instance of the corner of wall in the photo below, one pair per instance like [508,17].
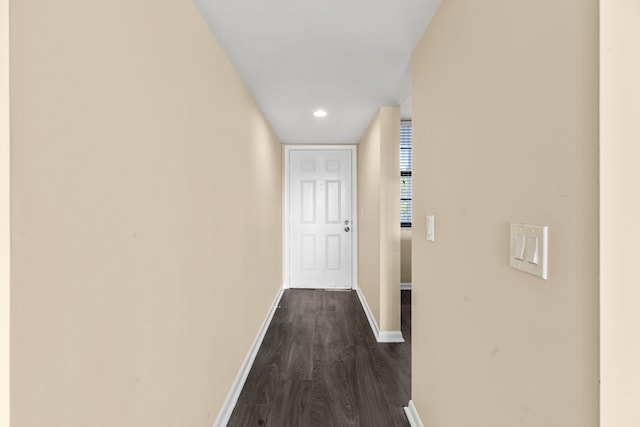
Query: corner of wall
[390,219]
[412,415]
[619,212]
[368,171]
[5,218]
[379,236]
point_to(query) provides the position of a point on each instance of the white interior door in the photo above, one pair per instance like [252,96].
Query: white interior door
[320,238]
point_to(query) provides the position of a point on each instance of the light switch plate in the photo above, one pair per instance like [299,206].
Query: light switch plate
[536,242]
[431,228]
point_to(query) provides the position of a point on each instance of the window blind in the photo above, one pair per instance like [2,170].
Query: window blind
[406,166]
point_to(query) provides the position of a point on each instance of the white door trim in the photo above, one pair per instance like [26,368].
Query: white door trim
[354,204]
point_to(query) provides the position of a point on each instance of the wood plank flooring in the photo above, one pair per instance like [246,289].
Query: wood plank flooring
[320,365]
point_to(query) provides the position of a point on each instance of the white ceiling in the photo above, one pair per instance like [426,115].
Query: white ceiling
[348,57]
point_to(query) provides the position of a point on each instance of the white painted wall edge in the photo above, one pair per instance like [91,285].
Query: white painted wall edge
[232,398]
[412,415]
[405,286]
[5,220]
[384,336]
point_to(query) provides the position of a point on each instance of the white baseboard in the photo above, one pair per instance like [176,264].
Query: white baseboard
[232,398]
[405,286]
[412,415]
[390,336]
[384,336]
[367,311]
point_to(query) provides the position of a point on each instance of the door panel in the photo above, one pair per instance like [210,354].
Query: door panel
[333,203]
[319,211]
[308,194]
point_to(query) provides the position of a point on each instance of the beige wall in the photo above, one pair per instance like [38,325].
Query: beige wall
[379,226]
[369,215]
[390,219]
[146,203]
[620,210]
[5,245]
[505,128]
[405,255]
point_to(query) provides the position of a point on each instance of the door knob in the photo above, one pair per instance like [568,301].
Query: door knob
[347,228]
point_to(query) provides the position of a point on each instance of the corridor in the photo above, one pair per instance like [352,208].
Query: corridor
[320,365]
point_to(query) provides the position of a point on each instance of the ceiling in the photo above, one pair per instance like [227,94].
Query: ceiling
[348,57]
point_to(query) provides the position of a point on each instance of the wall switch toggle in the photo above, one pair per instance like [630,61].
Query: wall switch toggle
[518,252]
[532,250]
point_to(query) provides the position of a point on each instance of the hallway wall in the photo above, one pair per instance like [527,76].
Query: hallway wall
[379,217]
[619,212]
[405,255]
[146,215]
[505,128]
[5,225]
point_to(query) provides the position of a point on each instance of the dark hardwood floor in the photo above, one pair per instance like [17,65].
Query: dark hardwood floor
[320,365]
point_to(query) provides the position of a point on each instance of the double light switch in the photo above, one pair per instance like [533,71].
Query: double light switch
[528,248]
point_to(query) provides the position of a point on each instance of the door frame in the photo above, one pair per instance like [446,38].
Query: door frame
[288,148]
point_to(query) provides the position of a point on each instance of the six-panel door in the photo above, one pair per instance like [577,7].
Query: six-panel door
[320,219]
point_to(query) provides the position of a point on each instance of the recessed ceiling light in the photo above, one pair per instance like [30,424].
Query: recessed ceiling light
[320,113]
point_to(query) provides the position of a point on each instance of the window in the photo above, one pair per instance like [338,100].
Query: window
[406,165]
